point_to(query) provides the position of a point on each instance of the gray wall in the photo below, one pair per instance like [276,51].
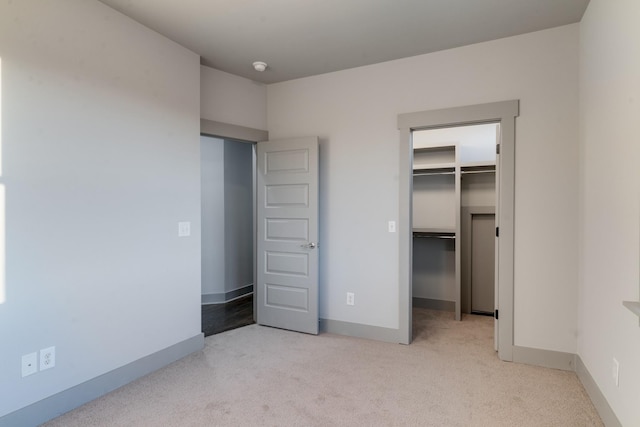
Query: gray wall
[232,99]
[100,156]
[227,219]
[238,214]
[213,207]
[610,200]
[434,268]
[354,112]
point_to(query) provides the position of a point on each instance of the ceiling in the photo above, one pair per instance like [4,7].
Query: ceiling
[299,38]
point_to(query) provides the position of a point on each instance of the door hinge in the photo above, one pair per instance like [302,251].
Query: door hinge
[497,231]
[496,314]
[497,148]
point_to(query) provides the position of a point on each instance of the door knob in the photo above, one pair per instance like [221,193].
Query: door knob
[311,245]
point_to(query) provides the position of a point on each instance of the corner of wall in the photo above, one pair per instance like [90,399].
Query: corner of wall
[595,394]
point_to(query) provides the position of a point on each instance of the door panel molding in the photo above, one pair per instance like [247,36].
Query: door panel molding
[287,234]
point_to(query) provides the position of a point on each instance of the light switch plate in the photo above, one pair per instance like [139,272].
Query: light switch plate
[392,226]
[184,229]
[29,364]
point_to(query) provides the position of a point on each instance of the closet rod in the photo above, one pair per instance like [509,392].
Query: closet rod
[434,236]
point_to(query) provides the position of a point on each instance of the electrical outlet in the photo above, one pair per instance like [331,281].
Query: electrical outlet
[47,358]
[29,364]
[615,372]
[351,298]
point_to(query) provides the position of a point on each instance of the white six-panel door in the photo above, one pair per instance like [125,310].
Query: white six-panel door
[287,234]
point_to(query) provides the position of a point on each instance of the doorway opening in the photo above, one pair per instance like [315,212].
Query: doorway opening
[503,115]
[453,220]
[454,171]
[228,238]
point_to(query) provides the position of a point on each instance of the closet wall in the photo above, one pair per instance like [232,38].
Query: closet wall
[212,206]
[437,204]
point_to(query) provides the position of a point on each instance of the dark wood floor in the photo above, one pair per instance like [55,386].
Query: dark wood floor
[218,318]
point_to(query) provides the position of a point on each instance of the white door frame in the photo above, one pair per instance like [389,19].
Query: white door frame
[503,113]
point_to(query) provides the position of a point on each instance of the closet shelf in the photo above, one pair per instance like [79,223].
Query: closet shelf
[440,233]
[439,169]
[434,157]
[478,168]
[436,150]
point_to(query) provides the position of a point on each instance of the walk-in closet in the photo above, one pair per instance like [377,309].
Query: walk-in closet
[454,211]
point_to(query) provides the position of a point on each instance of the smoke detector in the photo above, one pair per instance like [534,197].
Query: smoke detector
[260,66]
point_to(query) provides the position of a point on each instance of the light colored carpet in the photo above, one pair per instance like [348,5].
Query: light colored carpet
[254,376]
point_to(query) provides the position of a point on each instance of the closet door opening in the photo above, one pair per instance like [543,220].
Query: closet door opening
[504,114]
[478,260]
[454,171]
[482,264]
